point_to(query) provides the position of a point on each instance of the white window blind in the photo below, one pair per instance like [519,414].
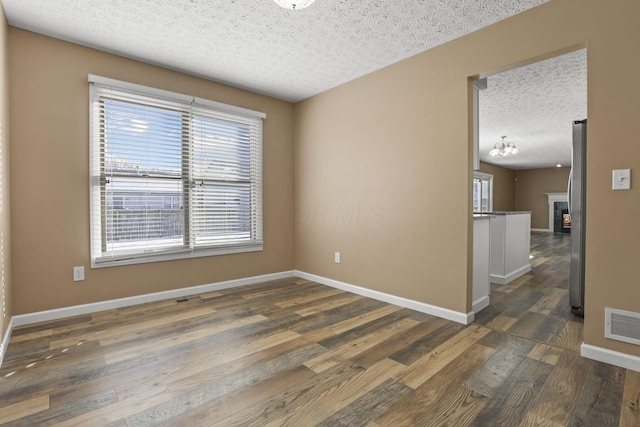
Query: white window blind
[172,176]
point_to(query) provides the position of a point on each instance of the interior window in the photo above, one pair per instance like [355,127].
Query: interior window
[482,192]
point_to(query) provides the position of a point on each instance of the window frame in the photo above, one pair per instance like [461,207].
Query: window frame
[100,257]
[487,177]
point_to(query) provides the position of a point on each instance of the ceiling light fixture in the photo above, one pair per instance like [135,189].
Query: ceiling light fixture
[503,148]
[294,4]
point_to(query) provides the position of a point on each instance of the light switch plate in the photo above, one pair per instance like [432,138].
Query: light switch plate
[621,179]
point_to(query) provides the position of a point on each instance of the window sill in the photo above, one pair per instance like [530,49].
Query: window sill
[198,253]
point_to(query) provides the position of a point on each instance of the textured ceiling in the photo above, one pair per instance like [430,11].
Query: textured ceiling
[256,44]
[292,55]
[534,106]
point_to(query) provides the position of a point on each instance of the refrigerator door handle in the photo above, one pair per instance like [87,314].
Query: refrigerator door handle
[569,189]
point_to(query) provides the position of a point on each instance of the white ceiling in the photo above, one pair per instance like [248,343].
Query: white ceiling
[292,55]
[534,106]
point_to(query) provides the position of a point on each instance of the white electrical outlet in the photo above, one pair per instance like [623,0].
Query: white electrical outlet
[78,274]
[336,257]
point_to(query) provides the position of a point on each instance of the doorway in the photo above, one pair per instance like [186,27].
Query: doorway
[532,107]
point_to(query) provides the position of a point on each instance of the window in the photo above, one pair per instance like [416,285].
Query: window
[172,176]
[482,192]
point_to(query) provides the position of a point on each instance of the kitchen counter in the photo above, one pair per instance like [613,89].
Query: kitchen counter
[483,216]
[503,213]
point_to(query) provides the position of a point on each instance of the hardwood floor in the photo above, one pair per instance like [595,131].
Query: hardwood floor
[296,353]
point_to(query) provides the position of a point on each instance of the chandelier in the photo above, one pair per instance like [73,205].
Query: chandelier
[294,4]
[503,148]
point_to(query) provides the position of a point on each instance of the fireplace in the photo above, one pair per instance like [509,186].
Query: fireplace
[561,218]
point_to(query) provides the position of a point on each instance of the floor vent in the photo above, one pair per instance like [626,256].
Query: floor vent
[622,325]
[182,300]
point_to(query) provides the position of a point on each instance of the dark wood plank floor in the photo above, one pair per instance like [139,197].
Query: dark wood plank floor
[296,353]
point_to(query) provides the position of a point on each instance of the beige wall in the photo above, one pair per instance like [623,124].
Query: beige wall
[612,244]
[503,186]
[5,231]
[531,186]
[376,147]
[50,182]
[395,142]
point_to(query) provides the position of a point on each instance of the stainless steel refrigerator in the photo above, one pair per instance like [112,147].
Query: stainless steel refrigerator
[577,203]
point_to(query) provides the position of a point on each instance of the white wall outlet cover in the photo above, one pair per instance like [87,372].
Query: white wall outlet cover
[621,179]
[336,257]
[78,273]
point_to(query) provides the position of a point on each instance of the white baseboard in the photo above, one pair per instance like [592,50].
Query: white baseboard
[503,280]
[445,313]
[611,357]
[589,351]
[481,303]
[5,340]
[546,230]
[76,310]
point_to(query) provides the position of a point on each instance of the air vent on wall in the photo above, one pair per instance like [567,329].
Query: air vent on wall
[622,325]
